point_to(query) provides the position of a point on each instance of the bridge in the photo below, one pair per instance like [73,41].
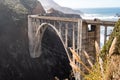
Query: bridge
[75,33]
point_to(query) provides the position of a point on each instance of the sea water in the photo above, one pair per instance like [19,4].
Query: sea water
[101,13]
[109,14]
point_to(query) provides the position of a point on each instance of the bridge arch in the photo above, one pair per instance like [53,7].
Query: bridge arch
[39,36]
[55,62]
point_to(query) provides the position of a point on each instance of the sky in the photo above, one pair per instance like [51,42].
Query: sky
[88,3]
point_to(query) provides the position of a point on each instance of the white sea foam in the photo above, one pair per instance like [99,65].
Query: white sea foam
[102,32]
[102,17]
[108,14]
[99,16]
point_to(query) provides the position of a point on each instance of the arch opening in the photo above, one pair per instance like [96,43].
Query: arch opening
[53,57]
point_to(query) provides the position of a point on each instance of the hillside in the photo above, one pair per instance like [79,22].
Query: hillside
[114,61]
[47,4]
[15,60]
[56,13]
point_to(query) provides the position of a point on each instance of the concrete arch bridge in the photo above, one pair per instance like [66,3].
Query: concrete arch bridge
[55,35]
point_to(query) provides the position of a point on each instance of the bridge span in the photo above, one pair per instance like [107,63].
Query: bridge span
[75,33]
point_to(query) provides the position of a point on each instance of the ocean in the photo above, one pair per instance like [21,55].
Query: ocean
[109,14]
[100,13]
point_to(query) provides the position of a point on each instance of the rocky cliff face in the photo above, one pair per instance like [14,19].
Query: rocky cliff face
[23,6]
[15,61]
[56,13]
[48,4]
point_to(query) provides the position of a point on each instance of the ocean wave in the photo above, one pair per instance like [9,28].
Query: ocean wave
[102,16]
[99,16]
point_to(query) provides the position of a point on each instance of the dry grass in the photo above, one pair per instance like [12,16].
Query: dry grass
[112,48]
[88,58]
[99,71]
[97,48]
[102,68]
[76,68]
[78,59]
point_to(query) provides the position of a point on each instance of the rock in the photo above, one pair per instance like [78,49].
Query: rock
[56,13]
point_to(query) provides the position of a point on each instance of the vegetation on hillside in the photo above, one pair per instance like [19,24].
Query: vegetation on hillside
[110,56]
[115,33]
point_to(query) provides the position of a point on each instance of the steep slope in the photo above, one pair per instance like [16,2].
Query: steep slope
[15,60]
[23,6]
[47,4]
[56,13]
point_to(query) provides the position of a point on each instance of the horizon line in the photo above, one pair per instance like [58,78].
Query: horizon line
[94,7]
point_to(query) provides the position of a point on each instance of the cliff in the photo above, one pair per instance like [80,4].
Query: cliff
[48,4]
[57,13]
[15,60]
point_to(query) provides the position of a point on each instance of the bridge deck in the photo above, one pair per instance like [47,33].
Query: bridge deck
[88,21]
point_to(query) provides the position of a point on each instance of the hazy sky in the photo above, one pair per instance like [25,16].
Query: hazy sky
[88,3]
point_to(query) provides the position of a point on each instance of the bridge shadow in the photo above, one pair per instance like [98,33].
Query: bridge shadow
[53,60]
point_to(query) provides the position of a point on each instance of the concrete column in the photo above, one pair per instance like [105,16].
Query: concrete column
[105,34]
[73,37]
[97,34]
[66,35]
[30,36]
